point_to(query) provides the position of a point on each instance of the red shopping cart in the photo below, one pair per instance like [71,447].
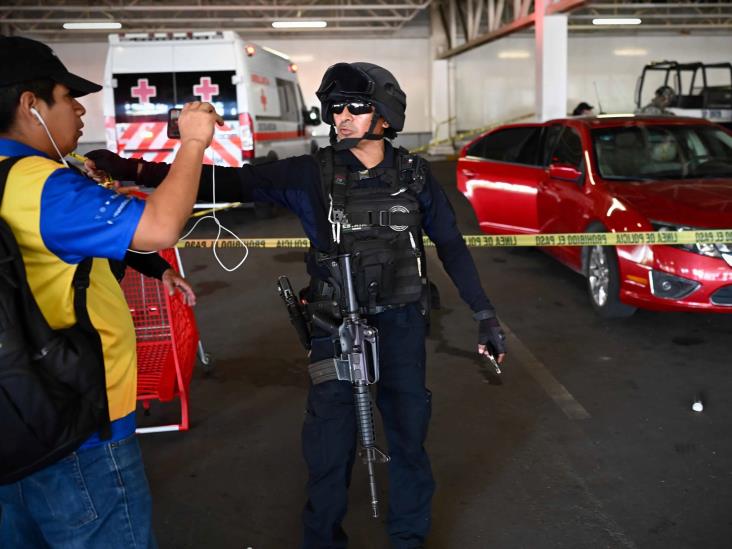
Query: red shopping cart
[167,341]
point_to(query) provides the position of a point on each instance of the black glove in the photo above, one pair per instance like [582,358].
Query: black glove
[491,334]
[122,169]
[150,174]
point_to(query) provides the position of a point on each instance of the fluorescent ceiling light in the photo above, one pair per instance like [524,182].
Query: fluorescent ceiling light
[93,25]
[299,24]
[513,54]
[630,52]
[617,21]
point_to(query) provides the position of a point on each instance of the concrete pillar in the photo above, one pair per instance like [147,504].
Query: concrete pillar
[551,64]
[440,99]
[442,87]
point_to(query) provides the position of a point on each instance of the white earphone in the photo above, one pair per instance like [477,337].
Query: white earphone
[35,113]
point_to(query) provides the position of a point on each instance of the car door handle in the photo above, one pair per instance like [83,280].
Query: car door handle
[468,173]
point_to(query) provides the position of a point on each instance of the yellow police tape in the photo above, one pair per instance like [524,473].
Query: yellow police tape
[651,238]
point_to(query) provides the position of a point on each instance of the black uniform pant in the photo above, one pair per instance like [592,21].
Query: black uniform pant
[329,437]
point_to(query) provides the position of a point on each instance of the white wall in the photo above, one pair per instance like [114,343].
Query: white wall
[407,59]
[496,81]
[87,60]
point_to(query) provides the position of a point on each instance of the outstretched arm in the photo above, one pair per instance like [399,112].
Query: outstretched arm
[269,182]
[293,183]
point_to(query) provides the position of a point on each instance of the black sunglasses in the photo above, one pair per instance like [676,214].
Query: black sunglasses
[355,108]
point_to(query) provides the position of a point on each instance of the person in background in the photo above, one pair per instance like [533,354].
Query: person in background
[664,97]
[583,109]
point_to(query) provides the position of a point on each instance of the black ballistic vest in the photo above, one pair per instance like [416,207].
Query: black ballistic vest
[381,227]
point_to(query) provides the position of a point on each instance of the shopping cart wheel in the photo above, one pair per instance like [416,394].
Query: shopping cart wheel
[207,363]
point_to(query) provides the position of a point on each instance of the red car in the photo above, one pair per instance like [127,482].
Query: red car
[614,174]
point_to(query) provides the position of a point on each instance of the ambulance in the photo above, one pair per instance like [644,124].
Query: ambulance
[254,88]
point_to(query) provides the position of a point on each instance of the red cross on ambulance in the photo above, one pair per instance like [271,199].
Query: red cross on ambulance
[205,89]
[263,99]
[143,91]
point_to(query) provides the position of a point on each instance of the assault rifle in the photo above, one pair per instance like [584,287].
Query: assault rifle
[358,363]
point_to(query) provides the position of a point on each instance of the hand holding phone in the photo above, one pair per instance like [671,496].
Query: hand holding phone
[194,121]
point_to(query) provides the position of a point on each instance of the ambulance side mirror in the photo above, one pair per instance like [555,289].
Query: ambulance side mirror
[312,116]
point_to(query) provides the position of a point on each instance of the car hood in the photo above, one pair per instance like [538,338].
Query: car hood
[703,203]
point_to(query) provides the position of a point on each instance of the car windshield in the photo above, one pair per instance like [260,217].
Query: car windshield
[649,152]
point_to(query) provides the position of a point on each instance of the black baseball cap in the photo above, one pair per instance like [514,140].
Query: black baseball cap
[23,59]
[582,107]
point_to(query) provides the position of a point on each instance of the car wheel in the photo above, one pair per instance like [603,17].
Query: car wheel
[603,282]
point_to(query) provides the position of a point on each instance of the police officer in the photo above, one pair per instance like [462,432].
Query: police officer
[362,195]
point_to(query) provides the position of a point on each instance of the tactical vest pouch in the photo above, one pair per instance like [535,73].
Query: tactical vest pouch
[374,267]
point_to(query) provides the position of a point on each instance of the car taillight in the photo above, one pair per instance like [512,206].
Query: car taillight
[246,129]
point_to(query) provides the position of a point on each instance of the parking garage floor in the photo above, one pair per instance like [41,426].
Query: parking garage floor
[590,442]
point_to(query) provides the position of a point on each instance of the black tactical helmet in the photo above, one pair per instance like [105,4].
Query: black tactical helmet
[363,81]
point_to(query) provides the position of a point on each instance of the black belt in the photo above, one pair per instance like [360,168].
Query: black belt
[380,309]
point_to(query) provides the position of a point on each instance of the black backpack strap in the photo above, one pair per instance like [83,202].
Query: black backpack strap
[5,167]
[80,284]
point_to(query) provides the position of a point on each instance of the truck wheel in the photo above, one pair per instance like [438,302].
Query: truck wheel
[603,280]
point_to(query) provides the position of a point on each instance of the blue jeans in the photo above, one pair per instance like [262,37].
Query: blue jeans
[329,438]
[93,498]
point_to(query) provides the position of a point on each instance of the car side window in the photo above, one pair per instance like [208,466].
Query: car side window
[549,143]
[515,145]
[568,149]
